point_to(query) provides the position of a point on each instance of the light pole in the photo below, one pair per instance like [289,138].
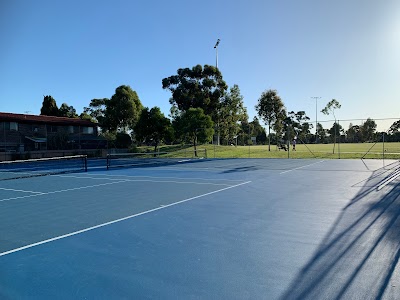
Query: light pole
[216,66]
[316,116]
[216,53]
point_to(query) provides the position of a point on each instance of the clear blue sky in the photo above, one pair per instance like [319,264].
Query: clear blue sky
[79,50]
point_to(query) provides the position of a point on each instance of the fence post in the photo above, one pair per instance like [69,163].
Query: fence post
[338,146]
[383,147]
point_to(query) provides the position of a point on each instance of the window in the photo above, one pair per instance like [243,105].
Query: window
[51,128]
[14,126]
[73,129]
[9,126]
[88,130]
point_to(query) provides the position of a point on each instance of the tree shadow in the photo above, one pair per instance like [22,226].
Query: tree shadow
[359,255]
[240,169]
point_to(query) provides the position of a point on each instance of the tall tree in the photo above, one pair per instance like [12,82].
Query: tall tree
[300,124]
[353,134]
[394,128]
[231,113]
[330,108]
[86,116]
[335,131]
[256,130]
[321,133]
[271,110]
[198,87]
[152,126]
[195,126]
[49,107]
[368,129]
[67,111]
[97,111]
[123,109]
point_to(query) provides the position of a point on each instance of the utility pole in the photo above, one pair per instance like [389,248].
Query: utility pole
[316,117]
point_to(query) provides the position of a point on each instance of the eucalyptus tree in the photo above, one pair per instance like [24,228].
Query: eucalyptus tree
[330,108]
[271,110]
[198,87]
[231,113]
[152,127]
[195,126]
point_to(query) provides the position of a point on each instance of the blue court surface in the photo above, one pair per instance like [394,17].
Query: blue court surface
[205,229]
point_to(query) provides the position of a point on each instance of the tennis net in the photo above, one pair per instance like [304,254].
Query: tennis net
[149,159]
[43,166]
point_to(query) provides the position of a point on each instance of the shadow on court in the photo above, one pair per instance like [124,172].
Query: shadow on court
[240,169]
[360,254]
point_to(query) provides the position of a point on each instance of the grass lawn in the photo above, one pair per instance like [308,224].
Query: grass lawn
[366,150]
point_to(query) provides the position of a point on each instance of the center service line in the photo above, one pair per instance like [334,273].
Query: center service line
[118,220]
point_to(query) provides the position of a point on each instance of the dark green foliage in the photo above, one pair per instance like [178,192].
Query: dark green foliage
[197,87]
[394,128]
[97,110]
[153,127]
[368,130]
[258,131]
[193,125]
[271,110]
[231,113]
[49,107]
[67,111]
[300,127]
[123,140]
[123,109]
[85,116]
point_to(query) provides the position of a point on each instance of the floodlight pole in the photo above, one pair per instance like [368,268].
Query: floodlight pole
[216,53]
[216,66]
[316,117]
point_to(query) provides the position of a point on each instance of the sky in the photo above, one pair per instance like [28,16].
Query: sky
[76,51]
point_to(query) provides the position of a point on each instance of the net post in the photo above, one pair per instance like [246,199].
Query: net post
[108,161]
[205,152]
[85,163]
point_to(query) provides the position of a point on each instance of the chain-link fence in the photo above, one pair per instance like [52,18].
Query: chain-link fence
[354,138]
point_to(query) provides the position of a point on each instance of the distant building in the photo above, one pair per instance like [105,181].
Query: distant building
[21,133]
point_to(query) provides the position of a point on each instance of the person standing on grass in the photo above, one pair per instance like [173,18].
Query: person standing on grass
[294,144]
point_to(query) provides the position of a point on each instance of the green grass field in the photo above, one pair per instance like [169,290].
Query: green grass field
[357,151]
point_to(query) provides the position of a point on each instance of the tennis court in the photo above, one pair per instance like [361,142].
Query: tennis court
[204,229]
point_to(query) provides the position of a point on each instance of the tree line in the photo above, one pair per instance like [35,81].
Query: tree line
[204,108]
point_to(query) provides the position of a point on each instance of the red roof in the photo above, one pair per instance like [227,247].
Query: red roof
[44,119]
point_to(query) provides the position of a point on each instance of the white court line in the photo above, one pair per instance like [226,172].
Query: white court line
[301,167]
[157,181]
[23,191]
[389,180]
[118,220]
[141,176]
[108,183]
[61,191]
